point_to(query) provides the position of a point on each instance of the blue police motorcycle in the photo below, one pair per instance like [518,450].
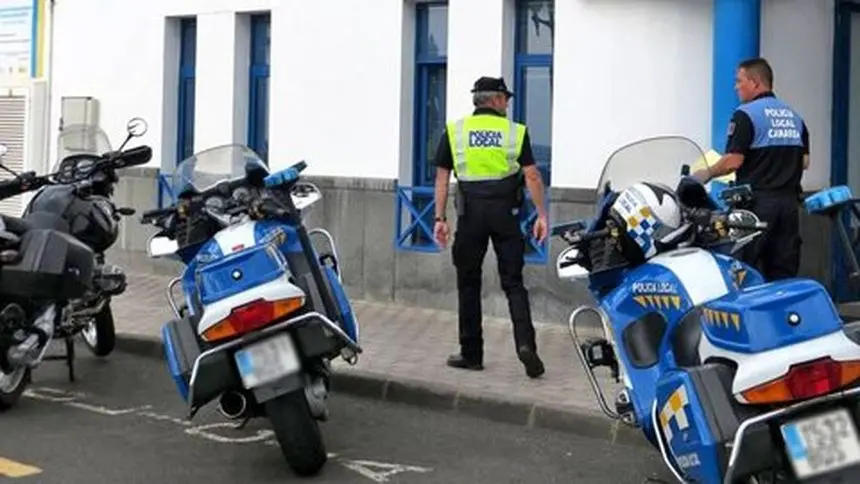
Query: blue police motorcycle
[731,378]
[263,313]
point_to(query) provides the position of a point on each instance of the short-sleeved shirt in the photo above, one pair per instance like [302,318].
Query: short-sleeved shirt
[485,189]
[769,166]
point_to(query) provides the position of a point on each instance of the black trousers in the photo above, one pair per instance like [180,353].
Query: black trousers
[484,220]
[777,251]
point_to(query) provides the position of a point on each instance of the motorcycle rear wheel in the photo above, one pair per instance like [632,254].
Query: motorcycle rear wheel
[297,432]
[12,385]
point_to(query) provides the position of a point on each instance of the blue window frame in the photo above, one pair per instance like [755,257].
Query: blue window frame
[431,70]
[185,100]
[534,42]
[431,66]
[258,87]
[535,29]
[847,19]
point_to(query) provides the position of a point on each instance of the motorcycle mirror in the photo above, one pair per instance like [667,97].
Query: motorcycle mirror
[126,211]
[3,150]
[566,268]
[159,246]
[136,127]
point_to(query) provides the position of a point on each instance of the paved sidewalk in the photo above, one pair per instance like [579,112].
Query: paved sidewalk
[405,350]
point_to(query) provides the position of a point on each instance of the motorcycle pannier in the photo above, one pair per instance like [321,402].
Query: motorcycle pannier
[52,265]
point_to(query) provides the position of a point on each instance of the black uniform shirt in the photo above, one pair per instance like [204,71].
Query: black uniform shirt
[774,169]
[445,159]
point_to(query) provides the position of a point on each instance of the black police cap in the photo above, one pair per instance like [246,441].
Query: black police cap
[492,84]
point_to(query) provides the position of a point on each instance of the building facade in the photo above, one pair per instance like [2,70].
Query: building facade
[361,90]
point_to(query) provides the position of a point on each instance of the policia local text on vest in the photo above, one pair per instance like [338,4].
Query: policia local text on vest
[492,159]
[767,148]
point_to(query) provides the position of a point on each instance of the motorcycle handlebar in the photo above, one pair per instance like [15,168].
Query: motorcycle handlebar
[743,226]
[154,214]
[25,182]
[138,155]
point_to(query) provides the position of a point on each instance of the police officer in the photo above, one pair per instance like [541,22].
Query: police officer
[491,158]
[768,148]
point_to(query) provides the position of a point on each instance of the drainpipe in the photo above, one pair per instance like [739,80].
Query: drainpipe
[737,27]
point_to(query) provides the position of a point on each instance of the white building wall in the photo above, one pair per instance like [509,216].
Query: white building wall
[626,70]
[341,84]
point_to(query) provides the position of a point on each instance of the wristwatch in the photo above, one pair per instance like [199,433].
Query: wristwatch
[441,219]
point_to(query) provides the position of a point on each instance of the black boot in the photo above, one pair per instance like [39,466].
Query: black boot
[532,362]
[458,361]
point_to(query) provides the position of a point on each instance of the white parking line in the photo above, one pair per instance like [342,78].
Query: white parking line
[15,470]
[375,471]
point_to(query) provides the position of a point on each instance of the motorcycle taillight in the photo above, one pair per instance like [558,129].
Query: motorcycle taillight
[252,316]
[814,379]
[805,380]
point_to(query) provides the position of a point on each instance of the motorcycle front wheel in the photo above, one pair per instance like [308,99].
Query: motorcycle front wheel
[297,432]
[12,385]
[100,334]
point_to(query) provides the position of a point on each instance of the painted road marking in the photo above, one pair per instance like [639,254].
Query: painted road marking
[381,471]
[375,471]
[10,468]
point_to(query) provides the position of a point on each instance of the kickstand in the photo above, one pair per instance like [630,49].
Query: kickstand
[70,358]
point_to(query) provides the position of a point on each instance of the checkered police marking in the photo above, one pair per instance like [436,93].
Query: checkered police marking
[674,410]
[641,226]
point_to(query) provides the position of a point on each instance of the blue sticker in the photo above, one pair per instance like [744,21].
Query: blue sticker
[243,361]
[794,442]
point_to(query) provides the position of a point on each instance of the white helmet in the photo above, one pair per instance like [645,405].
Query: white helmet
[648,212]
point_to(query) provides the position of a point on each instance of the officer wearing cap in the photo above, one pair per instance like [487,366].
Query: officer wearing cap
[767,148]
[491,157]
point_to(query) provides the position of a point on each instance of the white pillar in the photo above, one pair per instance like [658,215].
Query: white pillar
[221,85]
[476,47]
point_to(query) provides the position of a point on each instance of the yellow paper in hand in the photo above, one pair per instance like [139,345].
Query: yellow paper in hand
[710,159]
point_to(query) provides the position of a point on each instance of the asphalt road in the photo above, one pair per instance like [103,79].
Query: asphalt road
[122,422]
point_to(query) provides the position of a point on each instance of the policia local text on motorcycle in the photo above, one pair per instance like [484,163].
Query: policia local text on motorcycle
[491,158]
[768,148]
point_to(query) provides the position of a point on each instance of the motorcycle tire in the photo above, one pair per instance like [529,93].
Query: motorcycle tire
[297,432]
[102,340]
[11,389]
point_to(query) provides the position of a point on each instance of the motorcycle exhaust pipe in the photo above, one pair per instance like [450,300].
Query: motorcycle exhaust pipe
[233,405]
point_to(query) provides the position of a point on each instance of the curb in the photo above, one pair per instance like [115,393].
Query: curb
[444,398]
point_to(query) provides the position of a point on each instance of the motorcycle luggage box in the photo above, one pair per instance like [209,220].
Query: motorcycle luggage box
[52,265]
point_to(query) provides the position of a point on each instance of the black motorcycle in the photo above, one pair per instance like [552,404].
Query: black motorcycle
[54,282]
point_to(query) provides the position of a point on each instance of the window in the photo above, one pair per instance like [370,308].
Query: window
[431,61]
[533,40]
[185,101]
[535,26]
[258,87]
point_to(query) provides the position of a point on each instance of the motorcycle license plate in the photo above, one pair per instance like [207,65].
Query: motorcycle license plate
[821,444]
[266,361]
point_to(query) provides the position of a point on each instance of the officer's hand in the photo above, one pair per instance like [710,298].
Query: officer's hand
[539,230]
[440,233]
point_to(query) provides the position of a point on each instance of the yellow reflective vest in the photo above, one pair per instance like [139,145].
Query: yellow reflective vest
[485,147]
